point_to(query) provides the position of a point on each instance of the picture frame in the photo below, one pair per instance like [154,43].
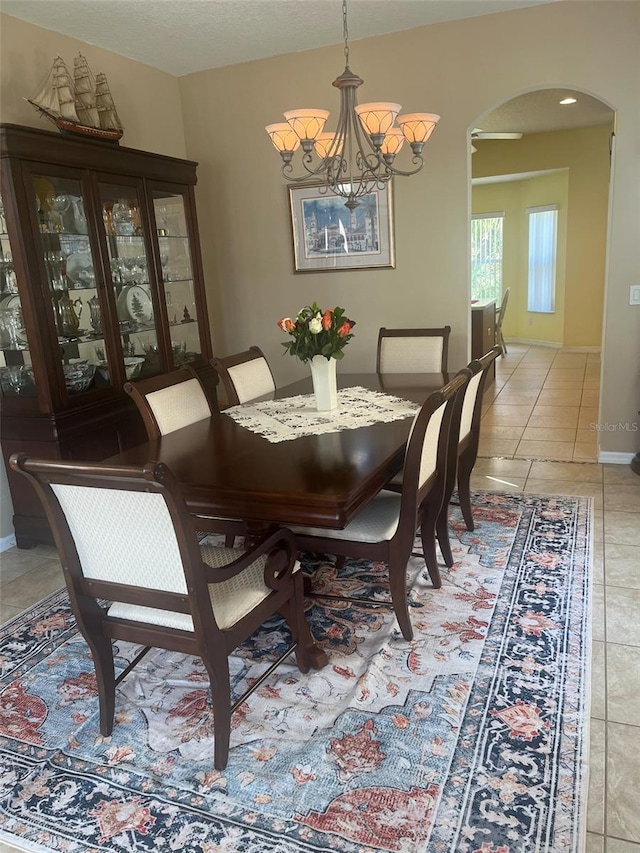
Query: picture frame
[327,236]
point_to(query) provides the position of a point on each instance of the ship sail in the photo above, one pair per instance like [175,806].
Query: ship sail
[56,98]
[109,118]
[85,93]
[80,106]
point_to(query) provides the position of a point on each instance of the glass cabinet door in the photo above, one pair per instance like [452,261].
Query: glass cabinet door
[70,267]
[16,372]
[129,265]
[177,275]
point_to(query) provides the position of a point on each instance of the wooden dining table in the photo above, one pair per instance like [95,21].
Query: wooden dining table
[226,470]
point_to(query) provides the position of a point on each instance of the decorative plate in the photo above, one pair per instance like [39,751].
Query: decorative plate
[80,269]
[134,303]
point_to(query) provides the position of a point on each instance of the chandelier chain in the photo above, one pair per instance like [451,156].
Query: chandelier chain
[345,31]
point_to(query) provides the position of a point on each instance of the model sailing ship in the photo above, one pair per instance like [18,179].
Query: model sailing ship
[78,104]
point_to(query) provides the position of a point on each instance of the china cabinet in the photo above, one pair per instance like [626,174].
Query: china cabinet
[100,281]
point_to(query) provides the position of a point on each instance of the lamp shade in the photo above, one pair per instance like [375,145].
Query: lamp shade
[283,138]
[418,127]
[377,118]
[323,144]
[307,124]
[393,141]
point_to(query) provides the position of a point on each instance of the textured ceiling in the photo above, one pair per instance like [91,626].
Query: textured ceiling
[541,111]
[183,36]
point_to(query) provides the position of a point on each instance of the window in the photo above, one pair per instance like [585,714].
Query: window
[486,256]
[543,241]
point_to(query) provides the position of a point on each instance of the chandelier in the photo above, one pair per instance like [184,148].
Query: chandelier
[360,155]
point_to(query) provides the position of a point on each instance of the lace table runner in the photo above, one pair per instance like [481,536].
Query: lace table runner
[293,417]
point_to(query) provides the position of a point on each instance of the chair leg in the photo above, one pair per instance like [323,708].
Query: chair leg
[398,587]
[464,492]
[442,531]
[428,534]
[293,612]
[229,539]
[102,653]
[218,670]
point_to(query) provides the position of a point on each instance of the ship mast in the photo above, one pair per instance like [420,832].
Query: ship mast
[56,98]
[109,118]
[85,100]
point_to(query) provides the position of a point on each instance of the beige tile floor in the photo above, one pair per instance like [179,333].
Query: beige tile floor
[543,405]
[613,819]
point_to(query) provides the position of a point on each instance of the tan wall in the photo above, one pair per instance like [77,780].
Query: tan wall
[458,70]
[585,153]
[148,100]
[513,198]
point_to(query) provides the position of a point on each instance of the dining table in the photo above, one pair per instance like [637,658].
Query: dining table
[229,471]
[321,480]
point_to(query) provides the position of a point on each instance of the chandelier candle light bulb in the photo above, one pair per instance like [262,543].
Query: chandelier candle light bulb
[359,155]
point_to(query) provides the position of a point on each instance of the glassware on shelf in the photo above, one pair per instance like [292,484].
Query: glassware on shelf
[59,205]
[56,263]
[79,217]
[68,319]
[95,314]
[9,282]
[12,333]
[123,218]
[16,377]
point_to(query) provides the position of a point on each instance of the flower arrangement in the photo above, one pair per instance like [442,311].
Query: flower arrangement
[317,332]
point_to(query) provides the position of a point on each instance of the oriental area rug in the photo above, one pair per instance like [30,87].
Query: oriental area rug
[471,738]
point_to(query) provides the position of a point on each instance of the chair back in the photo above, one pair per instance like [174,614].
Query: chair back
[428,447]
[245,375]
[170,401]
[413,350]
[502,310]
[123,534]
[472,405]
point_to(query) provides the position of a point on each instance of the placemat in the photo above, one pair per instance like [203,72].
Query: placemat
[294,417]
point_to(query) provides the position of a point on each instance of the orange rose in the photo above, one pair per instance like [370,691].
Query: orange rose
[286,324]
[344,329]
[327,319]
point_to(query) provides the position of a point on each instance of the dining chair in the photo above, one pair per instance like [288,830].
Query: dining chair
[245,375]
[500,312]
[413,350]
[169,402]
[385,527]
[470,421]
[135,572]
[464,439]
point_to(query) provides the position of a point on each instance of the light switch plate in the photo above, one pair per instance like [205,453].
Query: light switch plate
[634,294]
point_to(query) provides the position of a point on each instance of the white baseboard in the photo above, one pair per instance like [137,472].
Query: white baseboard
[615,458]
[531,342]
[7,542]
[551,344]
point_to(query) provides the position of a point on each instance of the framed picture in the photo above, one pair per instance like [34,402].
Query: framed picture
[327,236]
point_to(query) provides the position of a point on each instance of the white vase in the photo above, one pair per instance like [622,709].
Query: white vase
[323,373]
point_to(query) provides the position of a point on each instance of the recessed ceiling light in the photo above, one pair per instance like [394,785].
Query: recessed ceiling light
[569,101]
